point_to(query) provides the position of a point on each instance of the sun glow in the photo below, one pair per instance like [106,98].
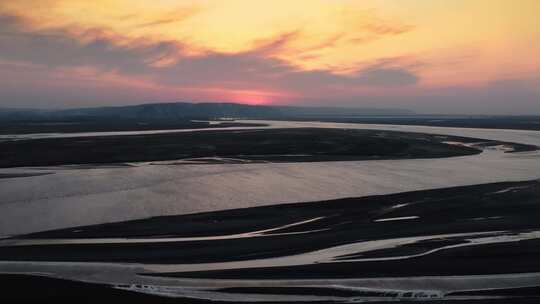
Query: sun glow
[253,97]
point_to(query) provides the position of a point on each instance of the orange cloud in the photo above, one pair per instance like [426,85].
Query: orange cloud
[324,31]
[244,49]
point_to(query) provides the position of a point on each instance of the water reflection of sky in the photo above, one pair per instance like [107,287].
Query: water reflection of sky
[76,196]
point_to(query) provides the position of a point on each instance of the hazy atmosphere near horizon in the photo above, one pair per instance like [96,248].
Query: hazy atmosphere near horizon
[446,57]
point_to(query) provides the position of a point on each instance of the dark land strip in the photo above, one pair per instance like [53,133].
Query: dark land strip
[263,145]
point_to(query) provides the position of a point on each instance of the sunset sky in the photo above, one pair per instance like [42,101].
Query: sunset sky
[431,56]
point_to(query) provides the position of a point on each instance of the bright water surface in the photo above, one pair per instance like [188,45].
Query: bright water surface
[74,196]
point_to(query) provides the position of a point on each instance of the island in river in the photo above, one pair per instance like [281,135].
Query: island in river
[253,145]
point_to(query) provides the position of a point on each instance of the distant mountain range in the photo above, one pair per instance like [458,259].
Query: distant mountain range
[184,110]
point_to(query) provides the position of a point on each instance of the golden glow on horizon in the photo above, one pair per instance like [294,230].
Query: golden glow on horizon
[446,43]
